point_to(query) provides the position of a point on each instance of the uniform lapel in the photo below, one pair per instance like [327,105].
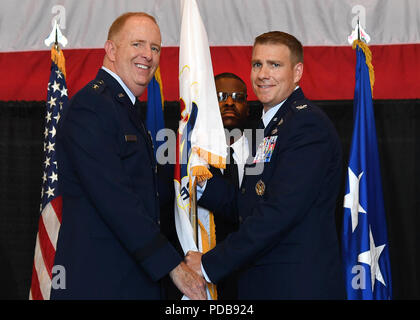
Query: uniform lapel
[124,101]
[279,116]
[138,122]
[268,131]
[131,110]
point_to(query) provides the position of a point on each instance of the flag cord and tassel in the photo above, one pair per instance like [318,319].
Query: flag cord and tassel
[368,54]
[58,57]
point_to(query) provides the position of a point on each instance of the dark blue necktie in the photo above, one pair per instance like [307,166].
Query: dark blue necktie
[231,171]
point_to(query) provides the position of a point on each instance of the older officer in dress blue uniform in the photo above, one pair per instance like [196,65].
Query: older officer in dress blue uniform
[287,246]
[110,242]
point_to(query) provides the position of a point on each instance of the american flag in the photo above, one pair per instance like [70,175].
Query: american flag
[51,201]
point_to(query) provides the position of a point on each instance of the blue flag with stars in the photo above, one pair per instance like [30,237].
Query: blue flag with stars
[365,246]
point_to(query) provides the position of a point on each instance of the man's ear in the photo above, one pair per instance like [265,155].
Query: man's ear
[110,49]
[298,71]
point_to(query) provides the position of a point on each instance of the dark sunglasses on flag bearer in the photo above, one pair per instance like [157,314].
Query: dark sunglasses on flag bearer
[236,96]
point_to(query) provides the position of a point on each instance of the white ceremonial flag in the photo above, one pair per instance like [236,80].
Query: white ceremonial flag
[201,139]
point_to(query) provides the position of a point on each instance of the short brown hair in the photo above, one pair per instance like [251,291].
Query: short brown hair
[118,23]
[279,37]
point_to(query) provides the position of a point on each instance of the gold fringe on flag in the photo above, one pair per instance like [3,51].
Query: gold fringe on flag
[212,159]
[201,172]
[208,243]
[368,55]
[58,57]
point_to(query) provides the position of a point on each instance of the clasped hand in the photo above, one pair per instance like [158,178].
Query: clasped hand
[193,260]
[188,278]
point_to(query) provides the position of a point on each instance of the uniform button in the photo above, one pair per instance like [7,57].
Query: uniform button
[158,222]
[241,219]
[243,190]
[157,194]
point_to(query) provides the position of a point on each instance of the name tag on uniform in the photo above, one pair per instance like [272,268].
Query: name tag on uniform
[265,149]
[130,138]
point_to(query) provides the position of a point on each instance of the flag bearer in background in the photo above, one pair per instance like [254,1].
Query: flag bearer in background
[232,97]
[110,242]
[286,246]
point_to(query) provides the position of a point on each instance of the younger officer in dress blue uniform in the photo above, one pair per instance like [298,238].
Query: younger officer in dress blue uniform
[286,246]
[110,242]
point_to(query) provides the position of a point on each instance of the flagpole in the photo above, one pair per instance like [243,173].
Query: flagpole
[194,213]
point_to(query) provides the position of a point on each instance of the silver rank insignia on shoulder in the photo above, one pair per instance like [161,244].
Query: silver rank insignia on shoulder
[260,188]
[303,106]
[98,84]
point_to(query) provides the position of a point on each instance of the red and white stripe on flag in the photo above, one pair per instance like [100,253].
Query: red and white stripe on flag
[45,247]
[322,26]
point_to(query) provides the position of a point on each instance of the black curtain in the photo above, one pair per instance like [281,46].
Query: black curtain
[21,157]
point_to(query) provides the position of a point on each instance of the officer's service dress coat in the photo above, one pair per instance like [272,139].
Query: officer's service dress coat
[109,243]
[286,247]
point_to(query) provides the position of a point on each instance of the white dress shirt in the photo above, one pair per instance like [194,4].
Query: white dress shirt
[127,91]
[240,155]
[267,116]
